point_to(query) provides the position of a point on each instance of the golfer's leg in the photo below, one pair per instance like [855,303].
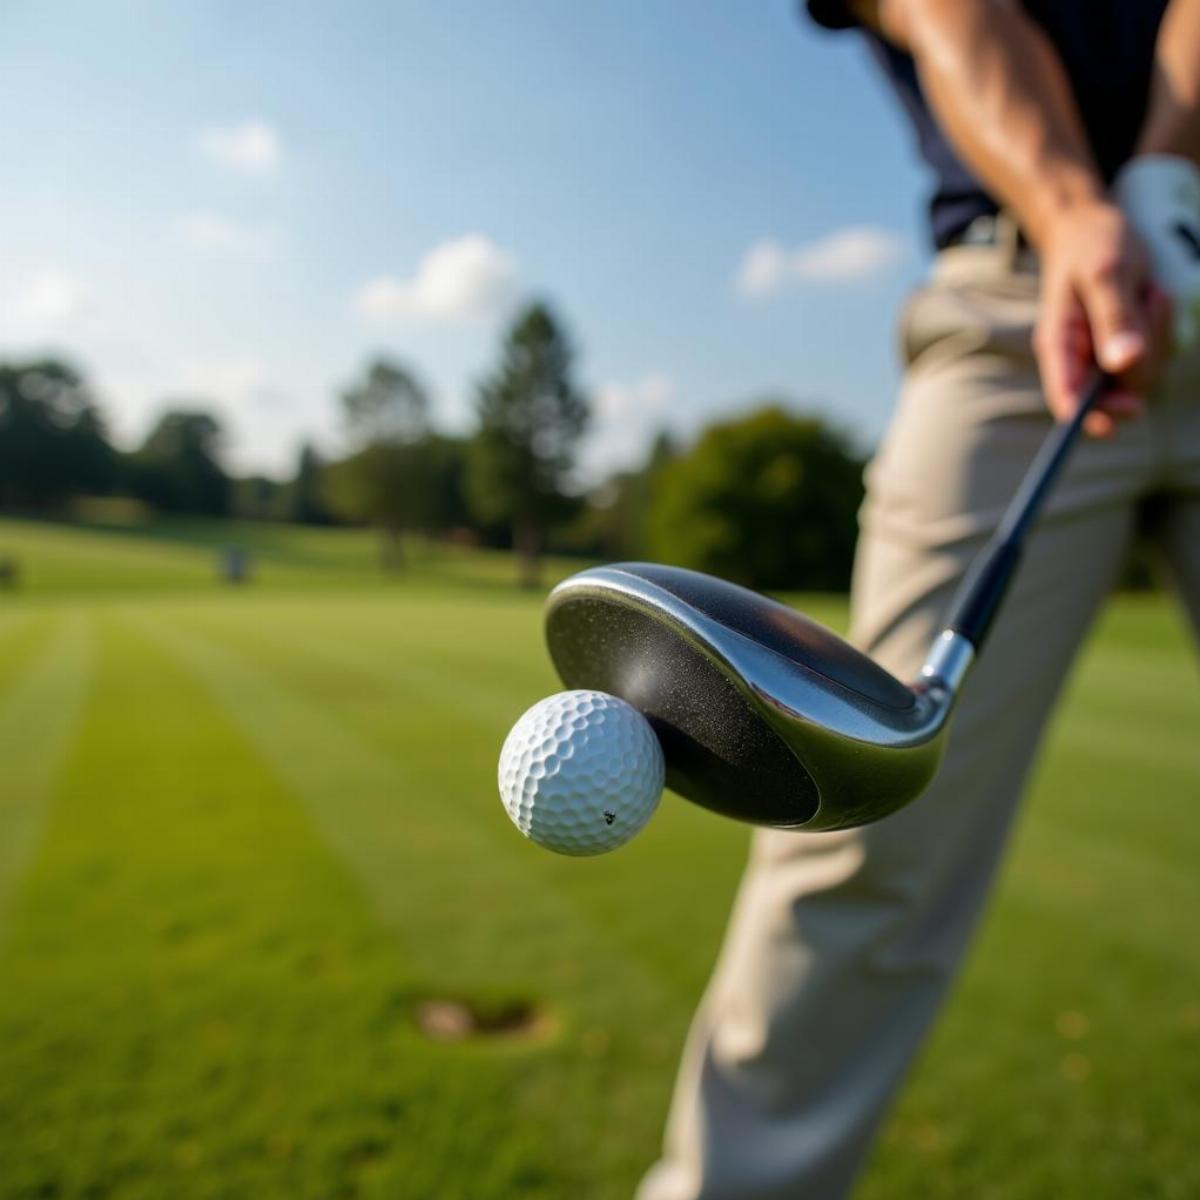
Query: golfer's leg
[841,945]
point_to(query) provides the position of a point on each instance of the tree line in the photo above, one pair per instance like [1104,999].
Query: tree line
[768,498]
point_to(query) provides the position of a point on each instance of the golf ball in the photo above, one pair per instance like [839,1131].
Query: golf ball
[581,772]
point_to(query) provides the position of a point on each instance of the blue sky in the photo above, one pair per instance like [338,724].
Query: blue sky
[242,201]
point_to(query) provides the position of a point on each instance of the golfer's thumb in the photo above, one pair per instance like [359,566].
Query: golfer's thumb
[1116,325]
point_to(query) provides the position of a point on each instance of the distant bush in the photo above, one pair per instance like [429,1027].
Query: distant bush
[769,499]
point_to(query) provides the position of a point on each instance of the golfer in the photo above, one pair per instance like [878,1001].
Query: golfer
[1063,137]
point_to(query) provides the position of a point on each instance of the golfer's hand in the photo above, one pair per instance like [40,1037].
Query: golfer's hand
[1099,304]
[1160,196]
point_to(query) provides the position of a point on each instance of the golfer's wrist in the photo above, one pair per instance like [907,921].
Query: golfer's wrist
[1061,201]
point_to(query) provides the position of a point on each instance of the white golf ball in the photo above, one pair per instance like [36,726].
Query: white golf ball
[581,772]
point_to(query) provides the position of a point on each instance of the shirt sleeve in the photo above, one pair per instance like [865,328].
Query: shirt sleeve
[832,14]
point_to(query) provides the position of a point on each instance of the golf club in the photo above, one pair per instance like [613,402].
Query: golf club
[765,715]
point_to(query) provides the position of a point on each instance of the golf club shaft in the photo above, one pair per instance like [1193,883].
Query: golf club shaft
[974,608]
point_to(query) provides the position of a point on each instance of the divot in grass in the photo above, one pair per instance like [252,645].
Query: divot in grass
[462,1019]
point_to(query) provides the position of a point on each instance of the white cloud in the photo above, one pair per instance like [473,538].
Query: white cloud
[466,278]
[211,231]
[240,383]
[264,407]
[252,147]
[627,415]
[231,379]
[259,416]
[49,297]
[649,396]
[849,255]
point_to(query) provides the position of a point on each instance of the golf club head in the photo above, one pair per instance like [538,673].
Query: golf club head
[763,714]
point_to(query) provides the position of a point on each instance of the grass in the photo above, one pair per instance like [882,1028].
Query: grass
[163,554]
[246,833]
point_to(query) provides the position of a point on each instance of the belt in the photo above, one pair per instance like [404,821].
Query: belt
[990,229]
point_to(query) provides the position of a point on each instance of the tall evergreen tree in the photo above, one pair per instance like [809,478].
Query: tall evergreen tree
[384,481]
[531,416]
[305,503]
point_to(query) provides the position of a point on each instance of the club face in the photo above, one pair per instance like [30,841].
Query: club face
[763,715]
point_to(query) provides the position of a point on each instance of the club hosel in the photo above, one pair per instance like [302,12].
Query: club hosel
[952,654]
[948,662]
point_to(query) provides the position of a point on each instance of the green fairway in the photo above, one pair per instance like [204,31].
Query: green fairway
[246,834]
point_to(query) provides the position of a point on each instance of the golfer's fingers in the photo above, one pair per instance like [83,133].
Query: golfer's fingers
[1063,346]
[1111,298]
[1127,400]
[1099,424]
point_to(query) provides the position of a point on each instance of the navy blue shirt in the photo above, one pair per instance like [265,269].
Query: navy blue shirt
[1107,48]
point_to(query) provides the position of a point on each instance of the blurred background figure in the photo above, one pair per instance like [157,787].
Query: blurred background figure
[234,565]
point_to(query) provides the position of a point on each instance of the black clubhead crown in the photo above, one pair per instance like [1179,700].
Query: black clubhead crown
[689,650]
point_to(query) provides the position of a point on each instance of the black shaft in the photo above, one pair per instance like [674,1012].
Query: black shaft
[975,605]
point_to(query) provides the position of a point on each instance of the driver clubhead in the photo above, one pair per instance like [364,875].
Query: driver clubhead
[763,714]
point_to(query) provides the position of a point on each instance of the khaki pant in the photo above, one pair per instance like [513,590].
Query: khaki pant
[841,946]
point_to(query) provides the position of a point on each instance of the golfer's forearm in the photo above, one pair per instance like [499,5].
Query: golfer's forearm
[1001,93]
[1173,118]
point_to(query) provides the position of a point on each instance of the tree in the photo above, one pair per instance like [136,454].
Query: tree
[383,481]
[768,499]
[53,444]
[178,467]
[531,415]
[446,507]
[614,524]
[257,498]
[304,501]
[388,405]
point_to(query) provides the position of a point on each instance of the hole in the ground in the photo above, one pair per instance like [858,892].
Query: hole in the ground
[454,1019]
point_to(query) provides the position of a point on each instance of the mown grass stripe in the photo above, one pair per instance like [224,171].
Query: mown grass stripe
[369,807]
[471,914]
[407,643]
[39,711]
[23,637]
[446,742]
[197,999]
[428,669]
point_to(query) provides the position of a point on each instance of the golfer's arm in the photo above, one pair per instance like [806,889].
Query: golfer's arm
[1172,123]
[1000,91]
